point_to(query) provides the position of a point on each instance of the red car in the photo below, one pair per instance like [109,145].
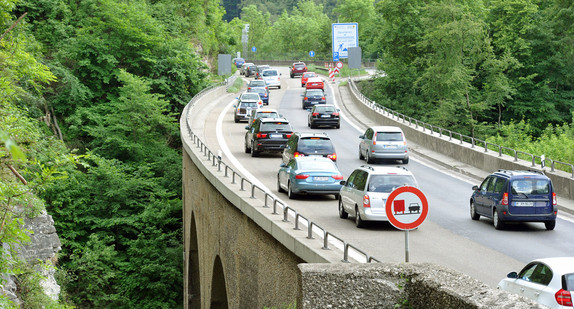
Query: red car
[298,68]
[306,76]
[315,83]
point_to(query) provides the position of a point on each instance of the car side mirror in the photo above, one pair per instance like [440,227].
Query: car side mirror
[512,275]
[282,164]
[475,188]
[234,106]
[246,127]
[361,136]
[343,182]
[308,109]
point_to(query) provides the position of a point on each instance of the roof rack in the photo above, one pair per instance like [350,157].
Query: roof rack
[369,167]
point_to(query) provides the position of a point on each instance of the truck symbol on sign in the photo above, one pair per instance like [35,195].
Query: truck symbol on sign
[399,206]
[414,207]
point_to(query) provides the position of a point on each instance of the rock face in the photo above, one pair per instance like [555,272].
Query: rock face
[44,245]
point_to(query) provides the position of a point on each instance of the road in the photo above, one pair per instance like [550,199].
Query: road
[448,237]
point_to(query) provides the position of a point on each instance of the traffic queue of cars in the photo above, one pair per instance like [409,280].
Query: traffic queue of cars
[308,167]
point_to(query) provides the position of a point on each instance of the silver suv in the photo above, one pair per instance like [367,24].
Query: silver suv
[383,142]
[364,194]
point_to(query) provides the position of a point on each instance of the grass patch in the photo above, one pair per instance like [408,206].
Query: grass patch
[237,85]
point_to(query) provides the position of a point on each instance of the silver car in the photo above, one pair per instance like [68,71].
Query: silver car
[383,142]
[364,194]
[272,77]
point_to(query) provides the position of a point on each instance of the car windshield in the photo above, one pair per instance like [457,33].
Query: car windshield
[250,97]
[325,109]
[317,165]
[275,126]
[315,93]
[387,183]
[269,73]
[389,136]
[530,186]
[312,144]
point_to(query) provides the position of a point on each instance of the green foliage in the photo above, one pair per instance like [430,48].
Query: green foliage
[31,292]
[237,85]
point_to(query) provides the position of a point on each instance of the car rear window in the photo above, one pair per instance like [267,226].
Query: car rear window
[309,75]
[299,65]
[324,109]
[248,104]
[386,183]
[255,83]
[315,93]
[316,165]
[568,282]
[530,186]
[250,96]
[270,73]
[389,136]
[315,143]
[266,115]
[275,126]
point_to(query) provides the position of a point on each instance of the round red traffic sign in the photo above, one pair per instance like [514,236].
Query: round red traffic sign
[339,65]
[406,208]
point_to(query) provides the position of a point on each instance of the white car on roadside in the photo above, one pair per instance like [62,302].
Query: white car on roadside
[548,281]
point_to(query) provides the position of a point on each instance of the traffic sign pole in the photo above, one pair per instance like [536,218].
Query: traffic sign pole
[406,246]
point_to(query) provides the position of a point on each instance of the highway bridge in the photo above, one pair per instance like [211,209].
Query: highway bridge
[245,242]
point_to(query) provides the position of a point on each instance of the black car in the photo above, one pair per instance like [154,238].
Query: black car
[260,69]
[250,70]
[309,144]
[267,135]
[313,97]
[515,196]
[324,115]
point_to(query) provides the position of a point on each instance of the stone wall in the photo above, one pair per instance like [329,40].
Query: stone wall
[406,285]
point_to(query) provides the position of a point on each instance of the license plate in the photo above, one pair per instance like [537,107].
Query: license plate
[390,146]
[320,178]
[325,116]
[523,203]
[275,135]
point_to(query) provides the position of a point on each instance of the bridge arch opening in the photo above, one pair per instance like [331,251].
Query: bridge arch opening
[193,279]
[218,289]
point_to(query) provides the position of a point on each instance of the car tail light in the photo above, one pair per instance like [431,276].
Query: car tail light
[337,177]
[504,199]
[315,114]
[301,176]
[297,154]
[554,200]
[289,135]
[332,156]
[366,201]
[563,298]
[261,135]
[336,114]
[375,139]
[323,98]
[305,98]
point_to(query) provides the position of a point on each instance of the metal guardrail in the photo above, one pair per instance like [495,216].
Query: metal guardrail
[534,160]
[268,198]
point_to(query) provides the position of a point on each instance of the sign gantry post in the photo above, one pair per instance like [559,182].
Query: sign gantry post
[406,208]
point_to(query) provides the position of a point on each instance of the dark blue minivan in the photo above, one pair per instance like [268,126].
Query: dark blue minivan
[519,196]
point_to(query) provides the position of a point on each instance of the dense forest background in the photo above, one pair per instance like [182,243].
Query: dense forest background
[91,92]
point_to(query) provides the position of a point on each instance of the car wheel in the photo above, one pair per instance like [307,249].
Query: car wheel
[550,225]
[279,189]
[473,214]
[290,193]
[358,221]
[336,196]
[279,87]
[406,161]
[369,159]
[312,125]
[236,119]
[338,126]
[342,213]
[292,76]
[498,224]
[308,123]
[254,153]
[247,149]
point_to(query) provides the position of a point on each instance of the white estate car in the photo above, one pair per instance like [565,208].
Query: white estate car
[548,281]
[364,194]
